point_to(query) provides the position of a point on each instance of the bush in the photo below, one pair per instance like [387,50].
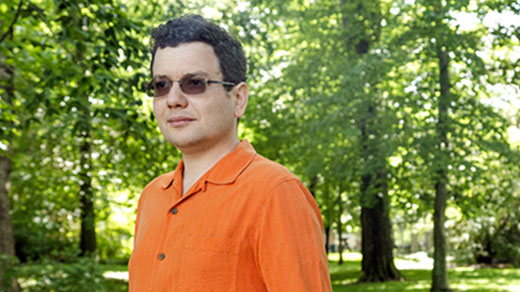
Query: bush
[83,275]
[7,271]
[498,242]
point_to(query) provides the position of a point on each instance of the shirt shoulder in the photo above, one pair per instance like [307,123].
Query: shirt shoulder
[268,175]
[269,170]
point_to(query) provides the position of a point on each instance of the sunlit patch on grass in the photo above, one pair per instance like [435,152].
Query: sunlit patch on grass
[474,279]
[347,256]
[418,286]
[116,275]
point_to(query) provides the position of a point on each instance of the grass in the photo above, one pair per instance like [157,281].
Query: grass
[344,277]
[416,273]
[82,276]
[116,277]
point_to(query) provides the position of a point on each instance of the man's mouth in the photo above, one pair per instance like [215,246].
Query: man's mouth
[179,121]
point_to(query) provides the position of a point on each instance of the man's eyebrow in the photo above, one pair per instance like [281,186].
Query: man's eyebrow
[197,73]
[160,77]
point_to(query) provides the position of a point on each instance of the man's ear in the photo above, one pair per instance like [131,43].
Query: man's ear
[241,94]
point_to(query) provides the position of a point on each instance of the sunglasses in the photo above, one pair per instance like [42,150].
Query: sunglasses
[189,84]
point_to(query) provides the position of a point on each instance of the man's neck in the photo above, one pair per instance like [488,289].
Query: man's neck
[198,163]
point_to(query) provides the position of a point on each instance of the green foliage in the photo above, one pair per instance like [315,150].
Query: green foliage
[493,237]
[112,245]
[70,75]
[84,275]
[497,242]
[83,114]
[7,271]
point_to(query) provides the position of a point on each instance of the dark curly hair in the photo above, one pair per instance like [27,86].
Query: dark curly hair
[194,28]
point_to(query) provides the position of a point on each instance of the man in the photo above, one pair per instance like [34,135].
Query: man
[227,219]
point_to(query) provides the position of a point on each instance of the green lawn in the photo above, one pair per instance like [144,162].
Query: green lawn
[116,278]
[344,278]
[113,278]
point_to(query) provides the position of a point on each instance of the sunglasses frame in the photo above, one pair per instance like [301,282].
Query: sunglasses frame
[149,86]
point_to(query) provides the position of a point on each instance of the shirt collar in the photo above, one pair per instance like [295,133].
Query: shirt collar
[223,172]
[232,165]
[169,178]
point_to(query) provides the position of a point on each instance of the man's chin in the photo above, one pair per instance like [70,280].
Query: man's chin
[184,144]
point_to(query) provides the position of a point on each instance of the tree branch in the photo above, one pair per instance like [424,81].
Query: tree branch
[10,29]
[41,13]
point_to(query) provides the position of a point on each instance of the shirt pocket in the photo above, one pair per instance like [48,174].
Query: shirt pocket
[209,263]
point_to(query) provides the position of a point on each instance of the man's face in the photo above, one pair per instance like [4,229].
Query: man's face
[196,122]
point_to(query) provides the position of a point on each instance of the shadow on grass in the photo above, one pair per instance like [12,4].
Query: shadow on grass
[52,276]
[115,285]
[84,275]
[344,278]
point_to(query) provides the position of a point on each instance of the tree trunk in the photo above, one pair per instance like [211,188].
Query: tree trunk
[376,236]
[376,228]
[414,247]
[327,239]
[88,217]
[312,186]
[7,252]
[339,226]
[439,273]
[377,243]
[87,241]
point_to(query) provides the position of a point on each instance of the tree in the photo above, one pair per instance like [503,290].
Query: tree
[7,251]
[7,247]
[439,273]
[454,132]
[310,97]
[362,26]
[85,75]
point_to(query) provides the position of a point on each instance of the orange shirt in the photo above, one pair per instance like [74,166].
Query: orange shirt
[248,225]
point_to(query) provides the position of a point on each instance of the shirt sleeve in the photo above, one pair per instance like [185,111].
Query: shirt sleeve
[131,278]
[290,249]
[138,217]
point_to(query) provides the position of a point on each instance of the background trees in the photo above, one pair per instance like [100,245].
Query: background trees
[383,108]
[80,128]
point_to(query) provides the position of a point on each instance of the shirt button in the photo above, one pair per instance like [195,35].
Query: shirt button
[174,211]
[161,256]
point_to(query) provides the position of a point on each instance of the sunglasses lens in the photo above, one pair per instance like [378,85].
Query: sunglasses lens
[188,85]
[193,85]
[161,87]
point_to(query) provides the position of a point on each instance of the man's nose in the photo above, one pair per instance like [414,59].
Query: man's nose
[176,98]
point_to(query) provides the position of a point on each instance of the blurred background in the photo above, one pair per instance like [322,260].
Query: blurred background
[401,117]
